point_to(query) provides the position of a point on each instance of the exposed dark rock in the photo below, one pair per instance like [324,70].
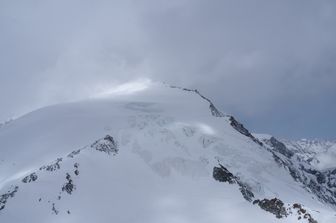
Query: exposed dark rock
[246,192]
[68,187]
[240,128]
[74,153]
[333,171]
[330,176]
[54,210]
[53,166]
[214,111]
[280,147]
[303,213]
[76,165]
[309,170]
[222,174]
[4,197]
[107,145]
[321,178]
[30,178]
[274,206]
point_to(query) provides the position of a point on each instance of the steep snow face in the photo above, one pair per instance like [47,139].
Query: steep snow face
[160,154]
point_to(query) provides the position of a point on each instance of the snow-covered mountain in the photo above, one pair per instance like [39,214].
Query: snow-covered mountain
[161,154]
[319,153]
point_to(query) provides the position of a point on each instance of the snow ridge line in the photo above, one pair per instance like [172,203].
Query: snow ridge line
[217,113]
[214,111]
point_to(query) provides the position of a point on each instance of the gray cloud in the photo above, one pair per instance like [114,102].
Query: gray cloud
[270,62]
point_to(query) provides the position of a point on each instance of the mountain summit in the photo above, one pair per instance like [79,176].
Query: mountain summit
[160,154]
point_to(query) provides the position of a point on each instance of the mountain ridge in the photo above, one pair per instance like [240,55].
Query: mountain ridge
[152,136]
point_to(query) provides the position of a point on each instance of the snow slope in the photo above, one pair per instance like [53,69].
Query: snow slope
[162,154]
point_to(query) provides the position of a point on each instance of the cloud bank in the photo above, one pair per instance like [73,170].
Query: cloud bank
[272,63]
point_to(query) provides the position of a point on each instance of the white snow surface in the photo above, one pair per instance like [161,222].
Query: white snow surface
[168,143]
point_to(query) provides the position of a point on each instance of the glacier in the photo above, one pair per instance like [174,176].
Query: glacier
[159,154]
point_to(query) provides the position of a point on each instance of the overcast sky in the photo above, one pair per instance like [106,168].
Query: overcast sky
[271,63]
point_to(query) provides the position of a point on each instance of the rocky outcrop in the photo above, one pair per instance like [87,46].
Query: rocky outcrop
[303,213]
[4,197]
[222,174]
[107,145]
[73,153]
[54,210]
[240,128]
[30,178]
[214,111]
[246,191]
[76,171]
[274,206]
[53,166]
[280,147]
[68,187]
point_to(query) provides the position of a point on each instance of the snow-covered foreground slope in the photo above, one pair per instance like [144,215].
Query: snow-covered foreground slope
[161,155]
